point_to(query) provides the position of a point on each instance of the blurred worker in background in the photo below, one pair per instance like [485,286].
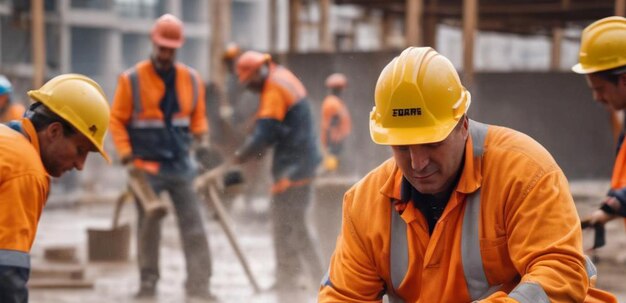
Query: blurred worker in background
[231,53]
[157,114]
[602,59]
[284,120]
[462,212]
[68,119]
[336,123]
[9,110]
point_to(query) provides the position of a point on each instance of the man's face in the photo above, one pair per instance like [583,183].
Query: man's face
[163,57]
[433,168]
[608,93]
[60,153]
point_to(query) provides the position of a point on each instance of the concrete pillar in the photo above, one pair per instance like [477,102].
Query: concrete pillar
[413,22]
[273,25]
[555,54]
[325,37]
[294,25]
[38,37]
[65,36]
[470,21]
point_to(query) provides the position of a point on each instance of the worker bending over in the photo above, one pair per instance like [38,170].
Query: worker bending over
[462,212]
[284,120]
[68,120]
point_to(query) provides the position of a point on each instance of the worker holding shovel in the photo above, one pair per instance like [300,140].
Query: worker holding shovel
[157,114]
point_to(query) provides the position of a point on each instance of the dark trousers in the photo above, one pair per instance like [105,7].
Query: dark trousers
[293,243]
[190,225]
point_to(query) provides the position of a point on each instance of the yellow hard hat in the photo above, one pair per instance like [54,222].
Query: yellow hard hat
[80,101]
[419,99]
[602,46]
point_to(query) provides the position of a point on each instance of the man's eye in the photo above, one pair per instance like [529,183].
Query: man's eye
[402,148]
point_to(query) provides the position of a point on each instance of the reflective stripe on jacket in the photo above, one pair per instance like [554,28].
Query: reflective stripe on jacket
[285,120]
[525,253]
[138,126]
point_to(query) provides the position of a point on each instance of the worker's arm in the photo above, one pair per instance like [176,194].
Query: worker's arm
[268,126]
[325,121]
[545,243]
[352,276]
[199,121]
[27,195]
[617,205]
[265,133]
[121,112]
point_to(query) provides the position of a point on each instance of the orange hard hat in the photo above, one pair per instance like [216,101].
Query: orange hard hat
[231,52]
[249,63]
[168,32]
[336,80]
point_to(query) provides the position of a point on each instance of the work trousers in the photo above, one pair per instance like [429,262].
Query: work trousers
[190,224]
[293,242]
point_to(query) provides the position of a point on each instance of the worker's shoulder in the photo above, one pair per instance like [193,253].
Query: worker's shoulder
[506,145]
[17,154]
[367,191]
[185,67]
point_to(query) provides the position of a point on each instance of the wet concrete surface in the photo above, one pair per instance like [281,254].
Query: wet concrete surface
[67,224]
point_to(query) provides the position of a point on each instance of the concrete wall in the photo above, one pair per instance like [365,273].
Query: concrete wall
[554,108]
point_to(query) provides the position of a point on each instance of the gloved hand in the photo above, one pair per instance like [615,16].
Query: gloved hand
[330,162]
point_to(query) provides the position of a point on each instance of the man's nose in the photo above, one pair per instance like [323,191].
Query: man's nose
[419,157]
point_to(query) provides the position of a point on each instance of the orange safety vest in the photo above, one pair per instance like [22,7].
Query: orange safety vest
[137,121]
[494,240]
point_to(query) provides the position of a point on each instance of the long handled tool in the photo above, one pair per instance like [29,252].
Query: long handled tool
[148,200]
[599,233]
[209,182]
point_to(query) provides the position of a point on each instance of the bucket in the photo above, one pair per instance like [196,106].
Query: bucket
[109,244]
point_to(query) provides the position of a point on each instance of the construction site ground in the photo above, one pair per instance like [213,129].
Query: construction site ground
[64,224]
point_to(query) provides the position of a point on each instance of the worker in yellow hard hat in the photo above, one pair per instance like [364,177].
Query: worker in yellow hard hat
[462,212]
[157,114]
[602,59]
[336,124]
[9,109]
[284,121]
[68,120]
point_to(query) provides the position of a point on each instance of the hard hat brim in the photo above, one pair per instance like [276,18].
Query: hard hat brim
[410,135]
[169,43]
[579,69]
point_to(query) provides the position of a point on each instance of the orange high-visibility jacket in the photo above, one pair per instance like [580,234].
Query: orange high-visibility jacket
[525,232]
[14,111]
[24,187]
[138,112]
[336,123]
[284,120]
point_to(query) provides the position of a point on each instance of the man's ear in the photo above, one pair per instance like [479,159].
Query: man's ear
[54,130]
